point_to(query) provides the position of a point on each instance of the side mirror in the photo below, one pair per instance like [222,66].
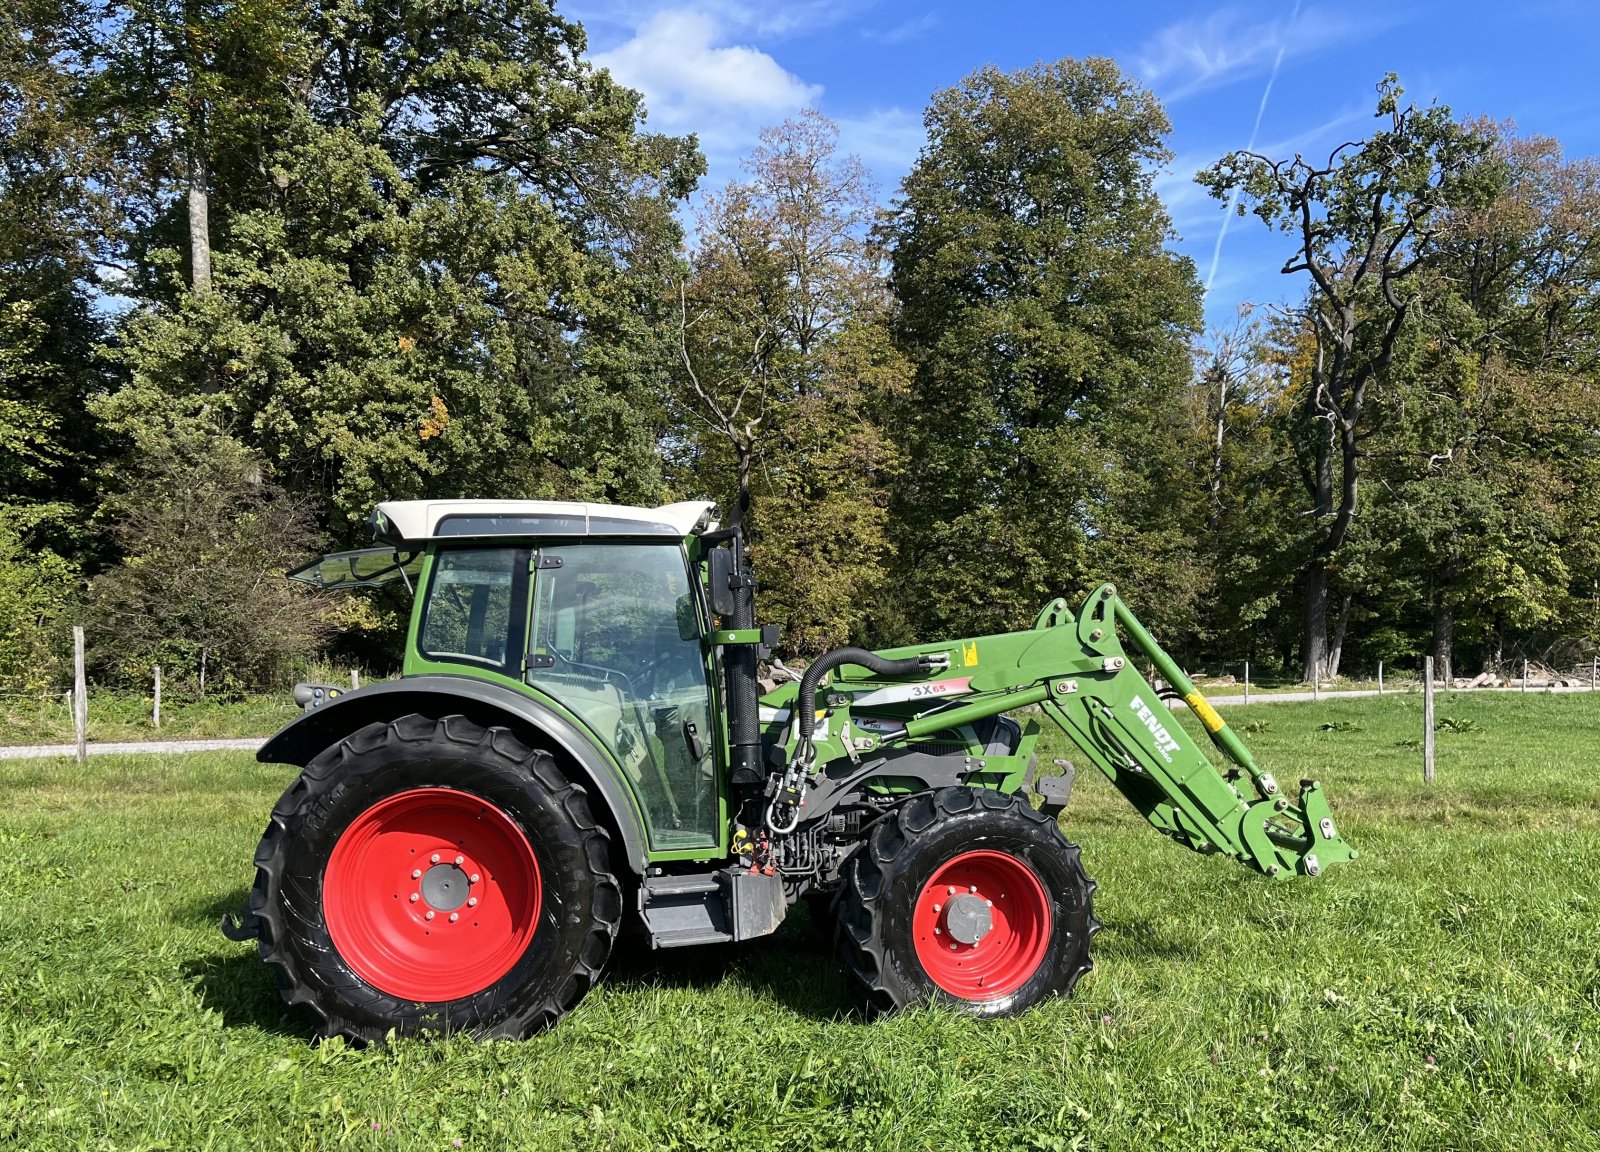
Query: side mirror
[722,581]
[688,618]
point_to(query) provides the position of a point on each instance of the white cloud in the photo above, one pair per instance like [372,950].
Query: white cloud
[694,80]
[1221,48]
[706,66]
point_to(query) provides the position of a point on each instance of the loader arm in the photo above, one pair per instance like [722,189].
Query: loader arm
[1119,721]
[1076,670]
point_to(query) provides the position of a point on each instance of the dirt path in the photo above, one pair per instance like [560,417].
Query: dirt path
[50,751]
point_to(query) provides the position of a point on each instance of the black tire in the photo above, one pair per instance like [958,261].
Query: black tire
[889,871]
[580,906]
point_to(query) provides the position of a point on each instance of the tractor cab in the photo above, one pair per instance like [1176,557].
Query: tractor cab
[593,611]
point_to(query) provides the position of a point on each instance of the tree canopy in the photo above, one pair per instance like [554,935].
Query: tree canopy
[265,264]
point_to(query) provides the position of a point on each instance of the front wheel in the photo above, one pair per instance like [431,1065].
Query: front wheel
[969,897]
[435,875]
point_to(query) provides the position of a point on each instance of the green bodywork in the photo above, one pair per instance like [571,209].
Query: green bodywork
[1076,672]
[1071,670]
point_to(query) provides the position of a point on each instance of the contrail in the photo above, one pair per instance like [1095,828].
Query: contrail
[1233,198]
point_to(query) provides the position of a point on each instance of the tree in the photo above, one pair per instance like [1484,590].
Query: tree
[37,590]
[206,540]
[1048,323]
[1241,396]
[787,368]
[1486,459]
[437,238]
[55,218]
[1363,223]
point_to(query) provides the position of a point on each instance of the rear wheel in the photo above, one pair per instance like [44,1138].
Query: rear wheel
[435,875]
[969,897]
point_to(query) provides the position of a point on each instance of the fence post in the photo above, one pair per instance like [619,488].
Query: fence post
[1316,680]
[1380,677]
[155,702]
[1524,675]
[1247,681]
[1594,673]
[1427,719]
[355,679]
[80,697]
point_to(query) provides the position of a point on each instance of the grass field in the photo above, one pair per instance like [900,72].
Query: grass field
[1441,992]
[118,716]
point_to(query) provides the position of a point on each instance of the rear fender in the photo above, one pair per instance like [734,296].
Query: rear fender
[482,703]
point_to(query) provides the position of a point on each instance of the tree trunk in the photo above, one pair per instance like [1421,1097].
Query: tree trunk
[1444,634]
[1314,631]
[1216,451]
[199,223]
[1318,479]
[1330,666]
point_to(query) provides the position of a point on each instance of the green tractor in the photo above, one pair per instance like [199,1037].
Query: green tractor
[579,745]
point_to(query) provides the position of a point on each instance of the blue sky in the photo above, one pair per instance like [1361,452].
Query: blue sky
[727,68]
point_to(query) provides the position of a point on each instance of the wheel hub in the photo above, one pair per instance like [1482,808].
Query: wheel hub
[982,924]
[445,887]
[432,894]
[967,918]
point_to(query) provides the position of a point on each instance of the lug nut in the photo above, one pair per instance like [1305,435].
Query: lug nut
[416,873]
[434,859]
[936,907]
[988,903]
[950,891]
[472,902]
[973,888]
[936,932]
[473,879]
[413,897]
[454,916]
[429,916]
[460,860]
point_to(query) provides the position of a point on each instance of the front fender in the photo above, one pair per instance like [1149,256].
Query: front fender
[488,704]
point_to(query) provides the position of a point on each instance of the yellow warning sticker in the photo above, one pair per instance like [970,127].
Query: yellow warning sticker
[969,654]
[1208,715]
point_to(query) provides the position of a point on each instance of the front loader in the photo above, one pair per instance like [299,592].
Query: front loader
[579,745]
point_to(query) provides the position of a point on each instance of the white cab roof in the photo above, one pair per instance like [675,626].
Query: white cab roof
[408,520]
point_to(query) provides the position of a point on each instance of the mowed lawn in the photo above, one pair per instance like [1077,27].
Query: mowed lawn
[1443,991]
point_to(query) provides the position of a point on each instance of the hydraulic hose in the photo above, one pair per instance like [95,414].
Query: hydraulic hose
[806,698]
[783,814]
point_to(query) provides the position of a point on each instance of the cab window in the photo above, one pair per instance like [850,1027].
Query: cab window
[472,609]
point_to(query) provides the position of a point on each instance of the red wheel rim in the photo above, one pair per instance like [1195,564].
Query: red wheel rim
[981,925]
[432,894]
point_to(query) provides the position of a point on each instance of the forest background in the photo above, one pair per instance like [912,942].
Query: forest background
[265,263]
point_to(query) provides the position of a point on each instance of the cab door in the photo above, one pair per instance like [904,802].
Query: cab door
[615,636]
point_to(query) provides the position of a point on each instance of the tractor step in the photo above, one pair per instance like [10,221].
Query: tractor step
[710,907]
[668,886]
[687,937]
